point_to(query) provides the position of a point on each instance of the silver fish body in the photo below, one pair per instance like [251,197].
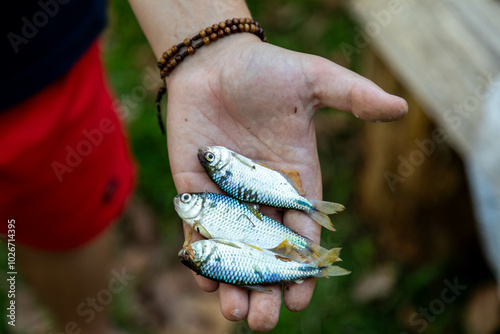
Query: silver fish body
[221,217]
[240,264]
[252,182]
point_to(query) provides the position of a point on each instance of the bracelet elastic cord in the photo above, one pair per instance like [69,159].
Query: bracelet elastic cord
[177,53]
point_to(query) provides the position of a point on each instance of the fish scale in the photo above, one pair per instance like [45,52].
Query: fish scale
[240,264]
[252,182]
[223,217]
[243,184]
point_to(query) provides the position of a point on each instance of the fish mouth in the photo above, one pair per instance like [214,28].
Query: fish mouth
[201,151]
[176,202]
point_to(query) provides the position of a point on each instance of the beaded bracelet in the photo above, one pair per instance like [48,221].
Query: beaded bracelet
[173,56]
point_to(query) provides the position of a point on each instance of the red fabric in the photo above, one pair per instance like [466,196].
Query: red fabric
[65,168]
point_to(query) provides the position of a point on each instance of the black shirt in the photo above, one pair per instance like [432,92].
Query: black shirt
[41,40]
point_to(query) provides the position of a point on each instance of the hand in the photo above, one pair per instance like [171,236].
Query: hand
[258,100]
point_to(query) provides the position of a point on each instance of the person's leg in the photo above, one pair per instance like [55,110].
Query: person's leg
[64,280]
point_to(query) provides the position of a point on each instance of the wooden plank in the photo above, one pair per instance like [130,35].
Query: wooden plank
[447,53]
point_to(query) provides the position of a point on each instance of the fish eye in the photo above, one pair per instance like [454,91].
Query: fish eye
[209,156]
[185,198]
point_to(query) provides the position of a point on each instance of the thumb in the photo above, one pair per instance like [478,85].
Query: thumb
[337,87]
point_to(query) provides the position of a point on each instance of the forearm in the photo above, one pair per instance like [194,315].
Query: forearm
[168,22]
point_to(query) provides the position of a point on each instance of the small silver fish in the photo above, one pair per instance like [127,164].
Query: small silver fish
[248,266]
[221,217]
[252,182]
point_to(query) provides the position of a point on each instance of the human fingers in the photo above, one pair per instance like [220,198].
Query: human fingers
[297,296]
[233,302]
[264,309]
[336,87]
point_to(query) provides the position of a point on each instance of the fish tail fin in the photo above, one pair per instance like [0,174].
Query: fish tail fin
[329,258]
[320,210]
[320,218]
[326,262]
[328,208]
[316,249]
[333,271]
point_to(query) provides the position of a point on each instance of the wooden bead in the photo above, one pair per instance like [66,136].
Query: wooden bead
[246,27]
[253,28]
[174,49]
[191,50]
[165,55]
[213,37]
[173,62]
[242,20]
[187,41]
[241,28]
[220,33]
[206,40]
[215,27]
[229,22]
[169,53]
[203,34]
[248,21]
[209,31]
[168,67]
[222,25]
[179,59]
[163,61]
[227,31]
[234,28]
[236,21]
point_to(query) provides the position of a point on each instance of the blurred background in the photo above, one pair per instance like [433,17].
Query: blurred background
[408,235]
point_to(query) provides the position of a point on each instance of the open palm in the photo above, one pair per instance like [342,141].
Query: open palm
[258,100]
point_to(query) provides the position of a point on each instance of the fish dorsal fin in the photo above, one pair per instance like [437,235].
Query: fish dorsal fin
[253,209]
[293,177]
[286,251]
[226,242]
[266,166]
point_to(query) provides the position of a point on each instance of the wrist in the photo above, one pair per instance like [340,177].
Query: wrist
[168,22]
[219,52]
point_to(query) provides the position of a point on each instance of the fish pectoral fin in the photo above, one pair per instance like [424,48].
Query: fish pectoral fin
[226,242]
[244,160]
[201,230]
[255,247]
[259,288]
[293,177]
[283,258]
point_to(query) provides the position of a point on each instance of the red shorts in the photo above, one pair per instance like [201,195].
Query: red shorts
[65,168]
